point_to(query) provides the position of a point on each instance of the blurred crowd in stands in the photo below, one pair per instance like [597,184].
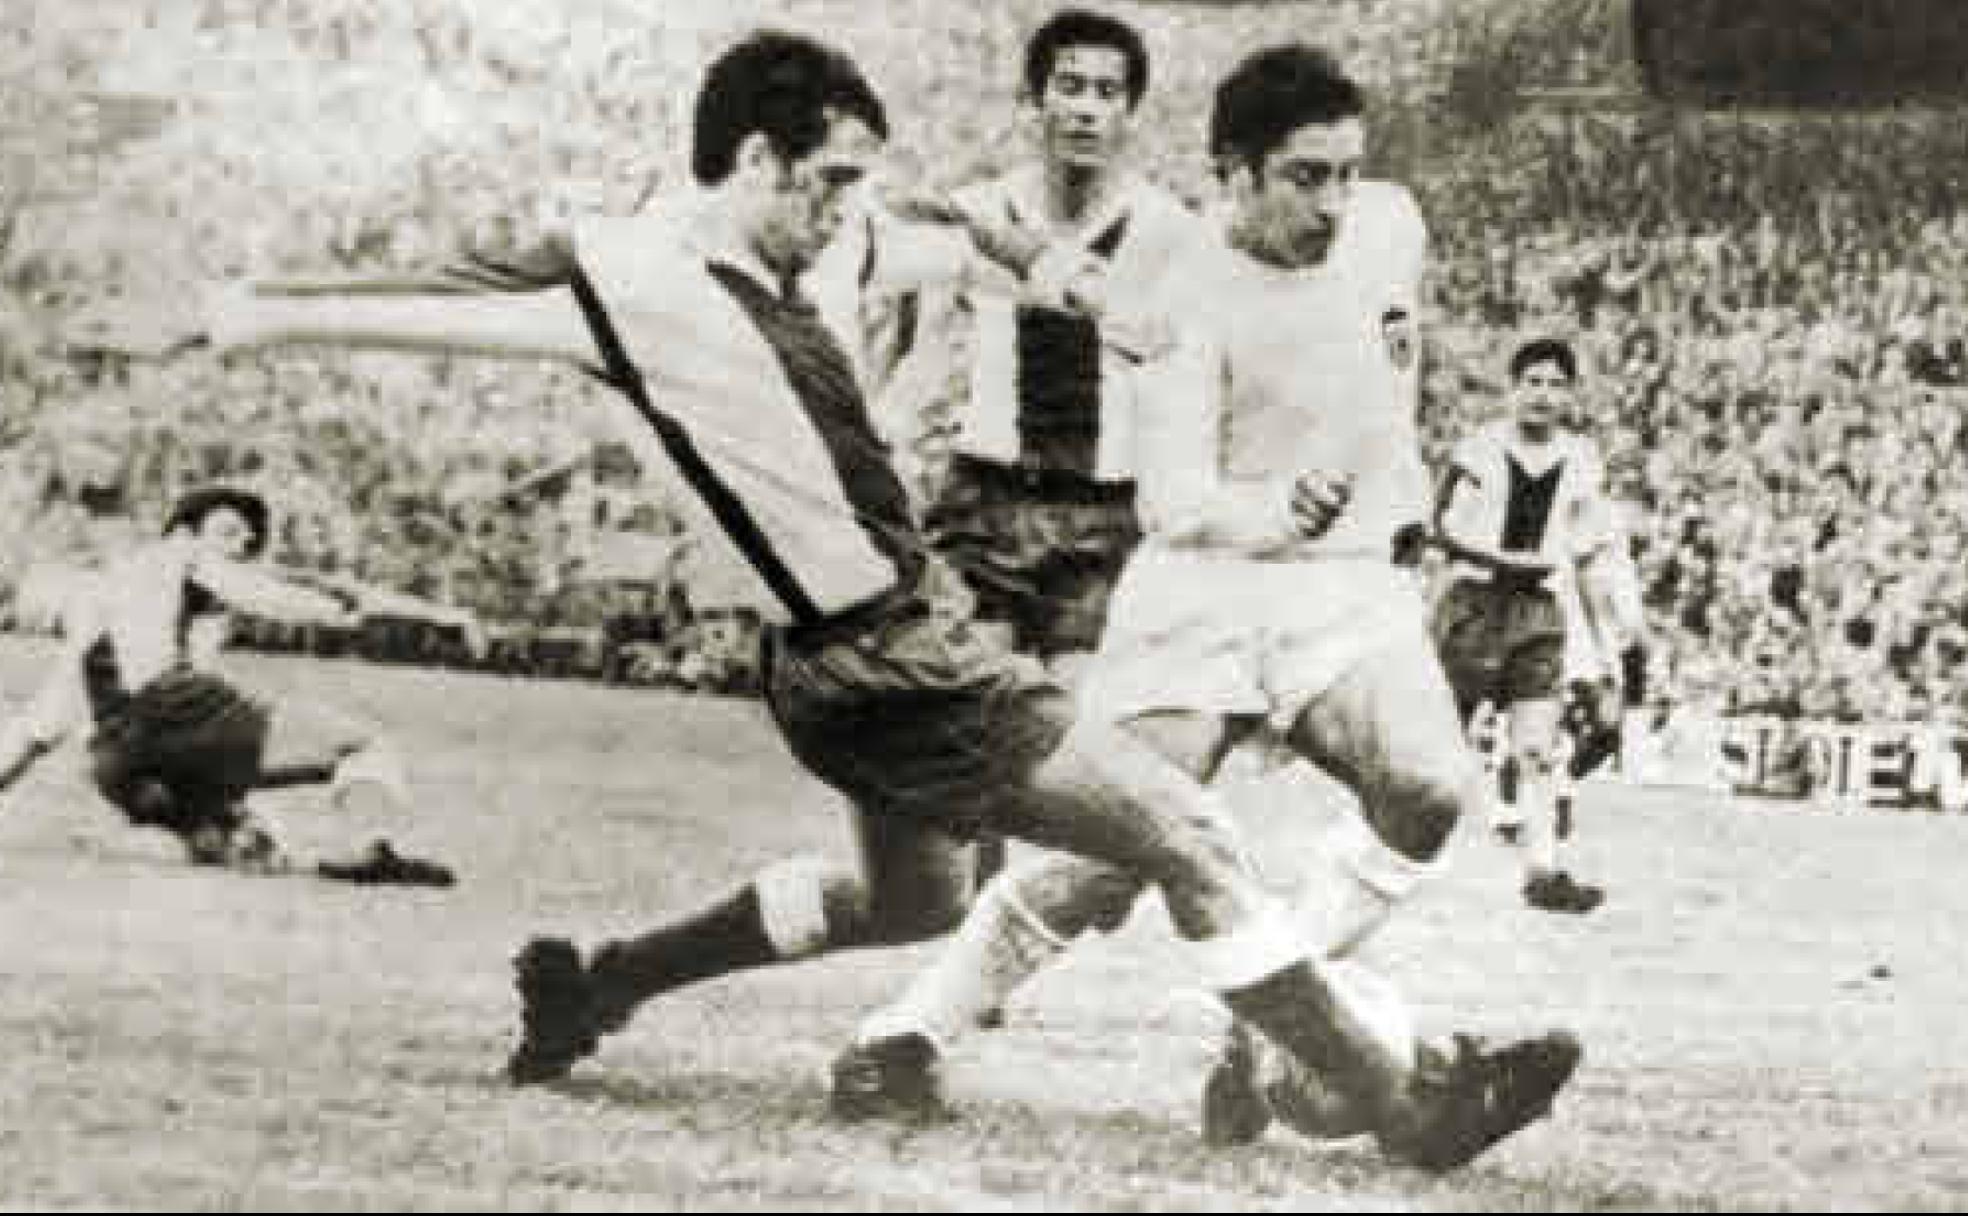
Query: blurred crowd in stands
[1774,310]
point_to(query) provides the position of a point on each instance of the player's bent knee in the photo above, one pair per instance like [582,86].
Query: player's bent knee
[1428,816]
[1110,898]
[1071,895]
[900,923]
[1415,810]
[1202,877]
[809,903]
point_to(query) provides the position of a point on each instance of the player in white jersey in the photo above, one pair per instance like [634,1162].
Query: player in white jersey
[1522,507]
[178,745]
[1279,469]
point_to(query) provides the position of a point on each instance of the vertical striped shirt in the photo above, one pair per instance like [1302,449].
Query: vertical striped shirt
[1044,391]
[1545,500]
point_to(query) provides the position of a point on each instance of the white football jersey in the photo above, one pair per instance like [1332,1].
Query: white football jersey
[1297,373]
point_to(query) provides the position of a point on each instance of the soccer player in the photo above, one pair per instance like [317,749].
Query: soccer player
[1267,597]
[1037,509]
[1522,504]
[176,744]
[878,683]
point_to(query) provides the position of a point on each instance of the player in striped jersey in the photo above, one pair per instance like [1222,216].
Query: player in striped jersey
[1037,507]
[1522,505]
[879,685]
[1280,472]
[1605,674]
[179,745]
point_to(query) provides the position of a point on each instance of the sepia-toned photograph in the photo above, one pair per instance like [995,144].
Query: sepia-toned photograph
[1054,605]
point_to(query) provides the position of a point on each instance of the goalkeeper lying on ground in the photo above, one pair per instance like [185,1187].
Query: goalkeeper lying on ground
[179,746]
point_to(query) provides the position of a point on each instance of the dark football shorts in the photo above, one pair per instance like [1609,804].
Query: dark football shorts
[1040,549]
[1500,641]
[909,711]
[195,735]
[1591,707]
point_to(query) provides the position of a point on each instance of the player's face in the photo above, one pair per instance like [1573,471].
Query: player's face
[1290,208]
[1084,111]
[225,533]
[808,198]
[1544,398]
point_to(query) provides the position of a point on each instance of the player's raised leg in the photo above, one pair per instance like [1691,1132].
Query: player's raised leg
[1243,947]
[309,742]
[1028,916]
[1388,730]
[913,881]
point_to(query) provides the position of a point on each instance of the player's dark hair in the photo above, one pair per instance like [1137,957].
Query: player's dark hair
[191,510]
[1071,27]
[1544,350]
[783,86]
[1273,93]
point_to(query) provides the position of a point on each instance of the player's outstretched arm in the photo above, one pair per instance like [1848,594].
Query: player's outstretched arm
[1497,561]
[21,745]
[543,324]
[524,308]
[57,707]
[925,239]
[248,588]
[371,601]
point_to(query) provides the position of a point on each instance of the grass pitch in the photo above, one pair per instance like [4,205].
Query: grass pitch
[1771,1003]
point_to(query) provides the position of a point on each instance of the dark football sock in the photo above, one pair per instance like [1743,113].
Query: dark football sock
[1593,750]
[1633,676]
[1298,1009]
[725,937]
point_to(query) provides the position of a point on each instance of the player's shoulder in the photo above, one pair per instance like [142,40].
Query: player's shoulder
[654,254]
[1484,447]
[1496,436]
[1389,199]
[659,232]
[146,569]
[1155,204]
[1007,194]
[1389,209]
[1582,448]
[1200,270]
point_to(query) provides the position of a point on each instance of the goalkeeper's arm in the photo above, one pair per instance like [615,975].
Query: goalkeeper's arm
[57,707]
[250,589]
[374,602]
